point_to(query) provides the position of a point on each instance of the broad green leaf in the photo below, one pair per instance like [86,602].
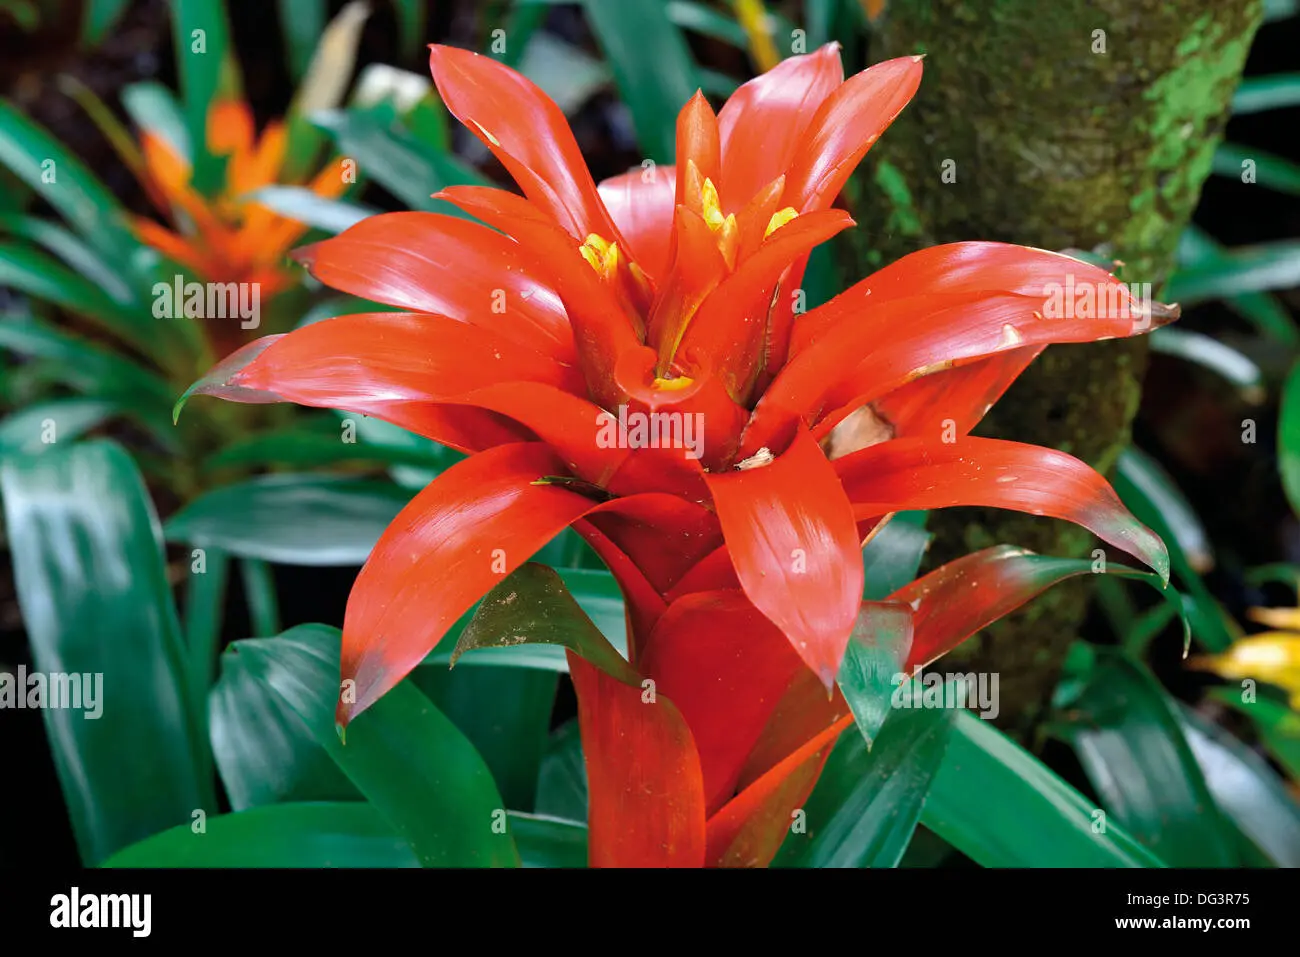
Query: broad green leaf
[549,841]
[1223,360]
[99,18]
[566,73]
[1273,91]
[264,751]
[1002,807]
[1124,730]
[315,443]
[319,212]
[652,66]
[1245,269]
[1288,440]
[52,424]
[562,784]
[505,713]
[402,753]
[704,20]
[74,253]
[88,566]
[292,519]
[201,40]
[1246,788]
[336,834]
[867,802]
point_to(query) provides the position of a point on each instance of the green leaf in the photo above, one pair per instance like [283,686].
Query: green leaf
[52,424]
[867,802]
[1276,723]
[562,783]
[315,443]
[1127,737]
[549,841]
[1288,440]
[264,751]
[1246,788]
[1275,172]
[260,595]
[74,253]
[1274,91]
[1261,309]
[396,160]
[91,583]
[707,22]
[505,713]
[1224,361]
[652,66]
[292,519]
[339,834]
[205,597]
[410,25]
[61,180]
[1002,807]
[873,660]
[403,754]
[891,559]
[302,22]
[201,40]
[152,107]
[99,18]
[566,73]
[319,212]
[1246,269]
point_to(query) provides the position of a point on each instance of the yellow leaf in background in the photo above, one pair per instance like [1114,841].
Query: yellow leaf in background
[1272,657]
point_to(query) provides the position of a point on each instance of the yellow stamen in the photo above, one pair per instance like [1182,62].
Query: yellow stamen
[601,255]
[712,207]
[673,385]
[779,219]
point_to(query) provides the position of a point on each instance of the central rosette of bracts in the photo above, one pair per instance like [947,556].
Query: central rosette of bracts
[666,301]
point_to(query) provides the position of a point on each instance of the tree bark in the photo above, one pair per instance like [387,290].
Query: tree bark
[1070,124]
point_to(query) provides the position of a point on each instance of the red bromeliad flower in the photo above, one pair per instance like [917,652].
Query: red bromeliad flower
[554,342]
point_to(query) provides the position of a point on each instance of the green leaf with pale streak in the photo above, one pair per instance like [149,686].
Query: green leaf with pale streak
[1224,361]
[1276,723]
[315,443]
[867,802]
[549,841]
[652,66]
[33,155]
[264,751]
[152,107]
[311,520]
[74,253]
[319,212]
[336,834]
[1269,170]
[533,605]
[91,583]
[873,661]
[1246,788]
[1244,269]
[201,40]
[1275,91]
[1127,737]
[1002,807]
[49,425]
[562,783]
[402,753]
[1261,309]
[302,22]
[395,160]
[1288,440]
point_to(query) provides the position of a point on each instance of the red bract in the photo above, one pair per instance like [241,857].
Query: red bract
[551,343]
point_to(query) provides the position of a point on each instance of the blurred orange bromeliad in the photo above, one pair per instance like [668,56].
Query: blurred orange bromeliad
[229,239]
[590,321]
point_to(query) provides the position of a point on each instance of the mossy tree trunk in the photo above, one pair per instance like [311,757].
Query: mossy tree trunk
[1084,124]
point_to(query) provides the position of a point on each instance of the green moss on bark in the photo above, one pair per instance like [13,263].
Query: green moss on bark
[1086,124]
